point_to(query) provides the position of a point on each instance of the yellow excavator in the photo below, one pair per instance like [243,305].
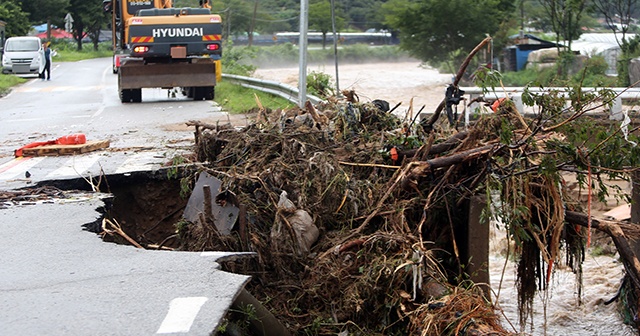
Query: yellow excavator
[158,46]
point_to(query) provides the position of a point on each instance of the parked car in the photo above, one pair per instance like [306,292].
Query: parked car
[23,55]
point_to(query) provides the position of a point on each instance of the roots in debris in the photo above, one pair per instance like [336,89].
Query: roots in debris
[357,217]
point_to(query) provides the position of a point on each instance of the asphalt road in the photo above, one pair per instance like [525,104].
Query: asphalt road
[82,97]
[56,279]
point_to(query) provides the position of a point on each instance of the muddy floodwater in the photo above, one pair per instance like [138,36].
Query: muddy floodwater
[400,83]
[564,315]
[394,82]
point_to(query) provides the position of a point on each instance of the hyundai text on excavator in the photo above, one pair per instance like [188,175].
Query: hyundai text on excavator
[158,46]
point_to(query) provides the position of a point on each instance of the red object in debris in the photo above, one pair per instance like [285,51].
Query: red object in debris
[496,104]
[394,154]
[72,139]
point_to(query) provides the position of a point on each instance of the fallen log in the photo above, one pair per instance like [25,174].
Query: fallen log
[438,148]
[422,168]
[617,233]
[214,127]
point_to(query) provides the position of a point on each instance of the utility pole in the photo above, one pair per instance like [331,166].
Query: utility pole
[335,45]
[304,26]
[253,23]
[521,19]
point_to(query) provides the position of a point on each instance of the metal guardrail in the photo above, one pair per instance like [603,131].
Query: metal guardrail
[515,94]
[287,92]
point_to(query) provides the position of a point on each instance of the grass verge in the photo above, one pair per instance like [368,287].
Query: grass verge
[74,56]
[237,99]
[8,81]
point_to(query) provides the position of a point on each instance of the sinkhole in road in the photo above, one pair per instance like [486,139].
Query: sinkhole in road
[147,210]
[146,205]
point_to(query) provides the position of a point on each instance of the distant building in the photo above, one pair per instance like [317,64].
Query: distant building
[516,55]
[603,44]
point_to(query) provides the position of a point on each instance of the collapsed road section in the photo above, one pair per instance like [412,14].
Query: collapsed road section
[62,280]
[59,280]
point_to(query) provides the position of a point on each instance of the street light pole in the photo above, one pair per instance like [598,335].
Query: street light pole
[302,79]
[335,45]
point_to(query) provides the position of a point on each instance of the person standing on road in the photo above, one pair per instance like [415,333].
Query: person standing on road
[47,64]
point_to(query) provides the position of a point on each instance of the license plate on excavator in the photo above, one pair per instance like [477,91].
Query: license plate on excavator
[178,52]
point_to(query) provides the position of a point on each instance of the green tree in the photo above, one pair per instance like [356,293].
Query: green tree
[442,30]
[365,14]
[16,19]
[532,15]
[618,15]
[88,19]
[565,18]
[237,16]
[320,19]
[46,11]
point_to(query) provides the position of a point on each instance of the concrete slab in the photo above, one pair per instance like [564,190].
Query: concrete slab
[56,279]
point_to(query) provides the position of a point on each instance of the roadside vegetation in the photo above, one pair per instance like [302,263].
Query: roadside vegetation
[238,99]
[68,51]
[8,81]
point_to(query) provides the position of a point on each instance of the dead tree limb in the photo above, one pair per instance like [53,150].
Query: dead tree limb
[615,231]
[199,124]
[425,167]
[438,148]
[456,81]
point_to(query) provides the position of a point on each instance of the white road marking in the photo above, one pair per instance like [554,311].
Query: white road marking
[182,313]
[75,166]
[140,162]
[103,92]
[17,167]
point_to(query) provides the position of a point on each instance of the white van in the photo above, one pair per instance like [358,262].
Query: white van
[23,55]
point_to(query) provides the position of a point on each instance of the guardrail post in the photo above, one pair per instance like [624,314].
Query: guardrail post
[517,101]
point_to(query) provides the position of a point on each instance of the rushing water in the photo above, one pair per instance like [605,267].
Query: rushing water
[565,316]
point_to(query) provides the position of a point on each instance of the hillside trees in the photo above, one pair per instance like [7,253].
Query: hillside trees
[619,15]
[41,11]
[238,16]
[88,19]
[320,18]
[565,18]
[365,14]
[17,20]
[440,30]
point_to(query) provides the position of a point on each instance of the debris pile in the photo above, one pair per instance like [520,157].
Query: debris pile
[361,221]
[358,216]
